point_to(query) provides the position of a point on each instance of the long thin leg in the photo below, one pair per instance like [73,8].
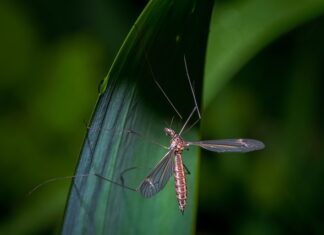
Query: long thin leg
[146,138]
[191,87]
[159,86]
[194,97]
[134,133]
[113,182]
[187,170]
[184,125]
[121,177]
[165,95]
[55,179]
[192,125]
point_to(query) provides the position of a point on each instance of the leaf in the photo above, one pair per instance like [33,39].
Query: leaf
[240,29]
[130,100]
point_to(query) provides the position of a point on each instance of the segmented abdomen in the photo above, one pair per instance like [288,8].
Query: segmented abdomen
[180,182]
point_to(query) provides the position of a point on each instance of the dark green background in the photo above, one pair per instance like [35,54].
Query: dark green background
[52,58]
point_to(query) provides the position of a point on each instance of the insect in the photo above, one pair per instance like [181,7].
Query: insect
[172,164]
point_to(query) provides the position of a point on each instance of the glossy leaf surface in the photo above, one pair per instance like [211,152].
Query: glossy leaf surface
[130,101]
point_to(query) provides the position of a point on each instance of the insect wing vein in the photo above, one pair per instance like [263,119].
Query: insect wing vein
[158,177]
[230,145]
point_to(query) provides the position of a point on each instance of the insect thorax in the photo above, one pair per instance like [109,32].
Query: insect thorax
[177,144]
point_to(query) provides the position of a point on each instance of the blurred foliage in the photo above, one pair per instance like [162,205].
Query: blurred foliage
[51,65]
[277,97]
[53,56]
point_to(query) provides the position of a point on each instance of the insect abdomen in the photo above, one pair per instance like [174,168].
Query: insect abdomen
[180,182]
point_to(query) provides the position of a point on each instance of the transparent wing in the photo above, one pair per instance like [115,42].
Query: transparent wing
[230,145]
[158,177]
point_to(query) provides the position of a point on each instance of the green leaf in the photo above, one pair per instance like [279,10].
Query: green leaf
[130,100]
[240,29]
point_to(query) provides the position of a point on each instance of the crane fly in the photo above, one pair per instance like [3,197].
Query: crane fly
[172,164]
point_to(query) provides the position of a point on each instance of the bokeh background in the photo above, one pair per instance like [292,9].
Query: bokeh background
[53,56]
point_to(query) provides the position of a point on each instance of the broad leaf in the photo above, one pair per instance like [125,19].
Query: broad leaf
[130,101]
